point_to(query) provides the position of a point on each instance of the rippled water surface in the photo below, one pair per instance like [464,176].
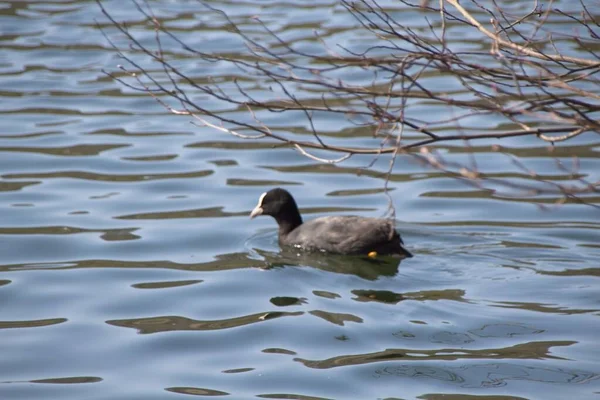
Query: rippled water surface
[130,270]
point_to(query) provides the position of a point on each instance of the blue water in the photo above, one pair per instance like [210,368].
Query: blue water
[130,268]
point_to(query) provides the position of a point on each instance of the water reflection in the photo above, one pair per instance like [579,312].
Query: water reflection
[197,391]
[336,318]
[505,330]
[363,267]
[286,301]
[95,176]
[69,380]
[531,351]
[545,308]
[106,234]
[175,323]
[463,396]
[381,296]
[288,396]
[165,285]
[31,324]
[14,186]
[490,375]
[68,151]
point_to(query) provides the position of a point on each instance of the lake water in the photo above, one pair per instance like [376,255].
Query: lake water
[130,269]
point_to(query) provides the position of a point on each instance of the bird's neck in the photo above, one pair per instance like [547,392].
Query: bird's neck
[288,223]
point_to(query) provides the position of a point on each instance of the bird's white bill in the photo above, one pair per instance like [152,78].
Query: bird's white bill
[258,209]
[256,212]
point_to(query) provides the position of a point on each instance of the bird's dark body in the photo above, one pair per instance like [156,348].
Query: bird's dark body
[332,234]
[346,235]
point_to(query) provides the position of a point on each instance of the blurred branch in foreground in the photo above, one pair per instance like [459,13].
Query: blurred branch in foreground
[518,71]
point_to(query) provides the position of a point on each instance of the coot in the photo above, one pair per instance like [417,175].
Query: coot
[333,234]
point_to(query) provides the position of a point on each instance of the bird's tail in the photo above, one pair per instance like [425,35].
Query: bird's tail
[405,253]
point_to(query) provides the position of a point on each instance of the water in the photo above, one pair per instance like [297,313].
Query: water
[130,269]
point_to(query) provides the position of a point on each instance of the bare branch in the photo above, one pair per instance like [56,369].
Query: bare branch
[526,80]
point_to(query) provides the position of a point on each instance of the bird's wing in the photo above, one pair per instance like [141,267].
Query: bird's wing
[346,233]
